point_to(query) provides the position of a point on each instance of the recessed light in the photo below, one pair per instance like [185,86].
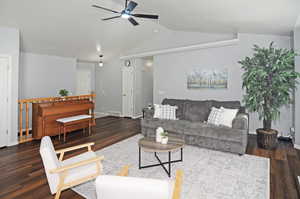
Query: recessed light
[155,30]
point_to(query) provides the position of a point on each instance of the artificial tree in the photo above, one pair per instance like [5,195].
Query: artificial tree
[269,80]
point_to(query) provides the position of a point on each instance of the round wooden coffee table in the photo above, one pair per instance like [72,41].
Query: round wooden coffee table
[150,145]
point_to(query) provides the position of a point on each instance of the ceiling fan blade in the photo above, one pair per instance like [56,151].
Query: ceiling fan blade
[126,3]
[110,10]
[131,6]
[133,21]
[105,19]
[146,16]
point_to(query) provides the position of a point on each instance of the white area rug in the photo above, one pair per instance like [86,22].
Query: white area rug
[208,174]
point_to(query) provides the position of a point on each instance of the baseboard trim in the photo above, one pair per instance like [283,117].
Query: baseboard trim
[13,143]
[99,114]
[297,146]
[137,116]
[109,113]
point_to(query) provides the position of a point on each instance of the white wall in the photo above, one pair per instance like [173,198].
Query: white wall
[109,88]
[137,64]
[143,85]
[91,67]
[167,38]
[170,73]
[147,82]
[297,93]
[44,75]
[10,45]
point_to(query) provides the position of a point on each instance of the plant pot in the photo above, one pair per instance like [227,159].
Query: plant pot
[164,140]
[266,138]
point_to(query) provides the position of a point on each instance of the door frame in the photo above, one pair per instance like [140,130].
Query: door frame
[9,97]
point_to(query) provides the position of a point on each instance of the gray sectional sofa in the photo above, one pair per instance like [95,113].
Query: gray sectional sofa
[192,127]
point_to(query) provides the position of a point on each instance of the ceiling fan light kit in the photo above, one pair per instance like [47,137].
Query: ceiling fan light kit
[127,13]
[100,64]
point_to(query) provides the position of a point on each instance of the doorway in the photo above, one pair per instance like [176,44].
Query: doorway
[4,99]
[85,78]
[137,86]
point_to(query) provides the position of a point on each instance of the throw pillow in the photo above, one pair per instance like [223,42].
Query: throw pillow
[166,112]
[214,116]
[227,116]
[157,111]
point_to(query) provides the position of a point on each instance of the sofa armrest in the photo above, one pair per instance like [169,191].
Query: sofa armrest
[148,113]
[241,121]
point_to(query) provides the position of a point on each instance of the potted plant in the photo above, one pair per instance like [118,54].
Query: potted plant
[269,80]
[63,93]
[164,137]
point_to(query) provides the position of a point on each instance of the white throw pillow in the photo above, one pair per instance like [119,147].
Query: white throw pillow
[166,112]
[157,111]
[227,116]
[214,116]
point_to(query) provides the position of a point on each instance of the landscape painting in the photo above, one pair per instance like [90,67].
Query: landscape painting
[208,79]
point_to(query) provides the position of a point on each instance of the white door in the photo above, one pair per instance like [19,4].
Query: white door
[4,69]
[127,91]
[84,82]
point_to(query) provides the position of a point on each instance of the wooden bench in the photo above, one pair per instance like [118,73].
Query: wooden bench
[69,124]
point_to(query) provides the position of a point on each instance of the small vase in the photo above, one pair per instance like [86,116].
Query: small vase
[159,131]
[164,140]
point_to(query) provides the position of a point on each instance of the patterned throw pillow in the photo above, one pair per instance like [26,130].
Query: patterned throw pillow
[214,116]
[166,112]
[227,116]
[157,111]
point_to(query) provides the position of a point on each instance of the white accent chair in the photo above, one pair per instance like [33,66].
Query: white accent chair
[117,187]
[63,174]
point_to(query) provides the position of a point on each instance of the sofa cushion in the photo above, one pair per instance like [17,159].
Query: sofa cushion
[197,110]
[199,129]
[177,126]
[176,102]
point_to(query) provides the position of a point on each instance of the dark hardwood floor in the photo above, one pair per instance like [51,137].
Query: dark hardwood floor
[22,174]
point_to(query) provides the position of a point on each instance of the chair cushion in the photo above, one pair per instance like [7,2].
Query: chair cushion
[82,171]
[73,118]
[116,187]
[50,161]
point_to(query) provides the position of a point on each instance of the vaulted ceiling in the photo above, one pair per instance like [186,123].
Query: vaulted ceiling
[73,28]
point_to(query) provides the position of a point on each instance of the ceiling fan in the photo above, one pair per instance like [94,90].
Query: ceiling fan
[127,13]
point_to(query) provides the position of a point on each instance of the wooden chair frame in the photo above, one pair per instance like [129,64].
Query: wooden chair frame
[177,186]
[63,171]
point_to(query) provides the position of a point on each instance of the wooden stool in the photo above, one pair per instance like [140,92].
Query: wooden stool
[68,124]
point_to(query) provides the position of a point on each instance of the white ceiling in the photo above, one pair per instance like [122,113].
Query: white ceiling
[73,28]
